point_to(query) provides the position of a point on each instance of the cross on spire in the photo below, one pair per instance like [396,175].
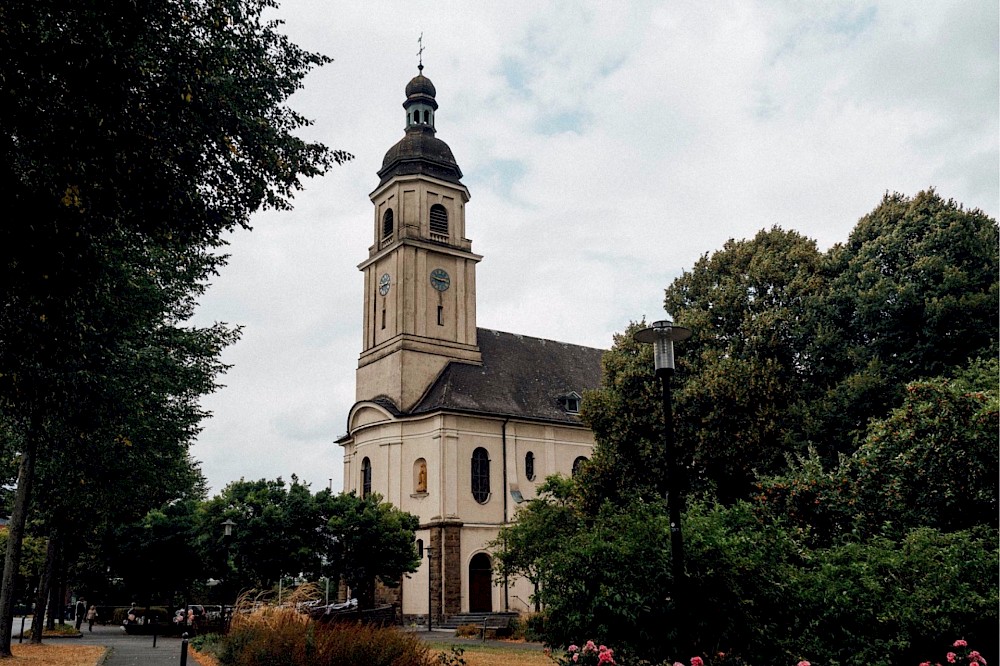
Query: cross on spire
[420,53]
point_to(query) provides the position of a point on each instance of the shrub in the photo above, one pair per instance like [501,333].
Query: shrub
[284,637]
[466,630]
[534,626]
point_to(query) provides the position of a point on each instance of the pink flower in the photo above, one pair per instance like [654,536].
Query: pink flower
[576,657]
[590,647]
[696,661]
[925,663]
[960,643]
[803,663]
[572,648]
[950,657]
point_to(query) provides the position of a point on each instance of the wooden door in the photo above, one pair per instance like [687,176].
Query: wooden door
[480,584]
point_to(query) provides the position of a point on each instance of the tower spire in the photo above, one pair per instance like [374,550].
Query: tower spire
[420,53]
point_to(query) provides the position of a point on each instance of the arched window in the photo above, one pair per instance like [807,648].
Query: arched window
[439,220]
[420,548]
[577,463]
[387,223]
[427,116]
[481,475]
[529,466]
[366,477]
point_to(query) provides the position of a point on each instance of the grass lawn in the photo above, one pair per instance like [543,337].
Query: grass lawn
[488,655]
[56,655]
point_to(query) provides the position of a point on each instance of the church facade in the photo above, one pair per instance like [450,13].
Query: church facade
[453,423]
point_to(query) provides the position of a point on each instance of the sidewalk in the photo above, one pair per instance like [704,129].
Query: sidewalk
[125,650]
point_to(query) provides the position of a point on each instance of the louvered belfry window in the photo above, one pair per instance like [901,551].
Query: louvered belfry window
[439,221]
[481,475]
[387,224]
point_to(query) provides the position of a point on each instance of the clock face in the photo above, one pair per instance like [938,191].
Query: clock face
[440,279]
[384,283]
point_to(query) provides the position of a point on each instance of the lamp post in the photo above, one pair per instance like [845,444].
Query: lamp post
[227,539]
[430,588]
[662,335]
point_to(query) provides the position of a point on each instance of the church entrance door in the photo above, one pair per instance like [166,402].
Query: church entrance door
[480,584]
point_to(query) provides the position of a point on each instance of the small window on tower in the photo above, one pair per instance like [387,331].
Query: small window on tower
[383,316]
[439,221]
[440,315]
[387,224]
[427,116]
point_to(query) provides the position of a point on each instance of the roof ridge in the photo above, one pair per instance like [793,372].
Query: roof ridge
[535,337]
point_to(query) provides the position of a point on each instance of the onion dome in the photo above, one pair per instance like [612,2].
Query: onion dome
[419,151]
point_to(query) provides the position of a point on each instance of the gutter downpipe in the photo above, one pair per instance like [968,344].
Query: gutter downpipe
[503,436]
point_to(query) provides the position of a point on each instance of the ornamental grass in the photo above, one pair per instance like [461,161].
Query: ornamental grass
[264,634]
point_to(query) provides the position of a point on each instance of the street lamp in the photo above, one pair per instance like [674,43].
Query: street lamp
[227,537]
[430,588]
[662,335]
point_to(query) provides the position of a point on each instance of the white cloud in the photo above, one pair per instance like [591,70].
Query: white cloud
[606,147]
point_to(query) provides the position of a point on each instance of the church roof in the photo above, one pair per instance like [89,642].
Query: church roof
[419,151]
[521,377]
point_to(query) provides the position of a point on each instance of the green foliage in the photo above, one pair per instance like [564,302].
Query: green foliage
[453,657]
[626,416]
[526,547]
[611,581]
[278,532]
[750,307]
[933,461]
[913,294]
[883,602]
[368,539]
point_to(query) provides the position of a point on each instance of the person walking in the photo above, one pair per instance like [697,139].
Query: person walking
[79,611]
[91,617]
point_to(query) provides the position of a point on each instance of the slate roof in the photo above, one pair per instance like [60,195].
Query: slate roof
[520,377]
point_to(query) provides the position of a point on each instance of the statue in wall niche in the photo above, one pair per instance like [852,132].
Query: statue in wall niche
[422,477]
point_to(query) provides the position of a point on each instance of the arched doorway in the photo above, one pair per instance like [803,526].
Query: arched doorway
[480,584]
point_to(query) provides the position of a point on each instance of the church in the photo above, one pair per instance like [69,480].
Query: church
[453,423]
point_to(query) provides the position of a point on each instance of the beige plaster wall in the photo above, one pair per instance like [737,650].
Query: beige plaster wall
[446,443]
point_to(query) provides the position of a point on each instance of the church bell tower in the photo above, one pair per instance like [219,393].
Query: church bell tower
[420,275]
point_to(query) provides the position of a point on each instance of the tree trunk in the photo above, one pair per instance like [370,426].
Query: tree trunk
[56,606]
[15,534]
[63,577]
[42,595]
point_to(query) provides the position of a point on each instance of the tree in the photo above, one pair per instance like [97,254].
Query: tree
[739,377]
[914,294]
[278,532]
[932,462]
[368,540]
[527,546]
[135,135]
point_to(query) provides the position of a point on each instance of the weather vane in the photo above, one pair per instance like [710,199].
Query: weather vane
[420,53]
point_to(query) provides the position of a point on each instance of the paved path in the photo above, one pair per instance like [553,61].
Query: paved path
[127,650]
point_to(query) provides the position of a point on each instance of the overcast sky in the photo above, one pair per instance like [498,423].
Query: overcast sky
[606,146]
